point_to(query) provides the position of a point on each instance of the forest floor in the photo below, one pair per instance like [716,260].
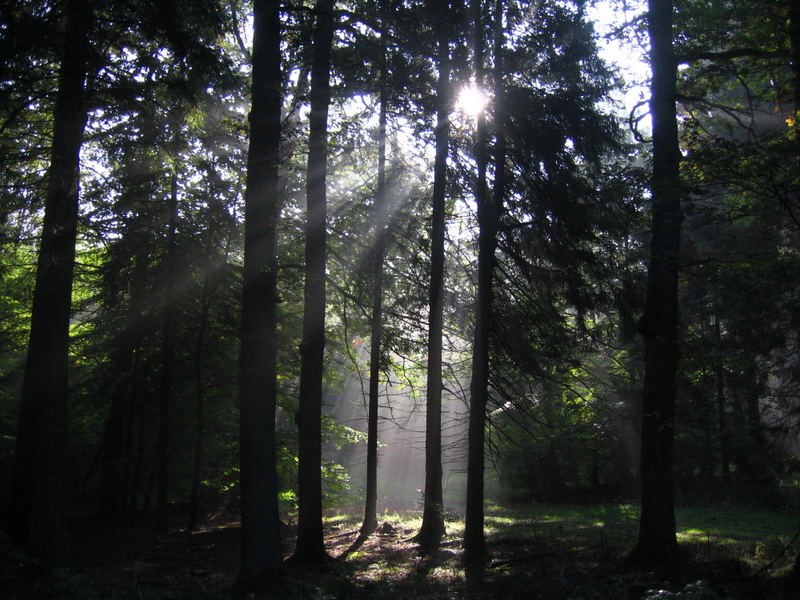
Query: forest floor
[539,551]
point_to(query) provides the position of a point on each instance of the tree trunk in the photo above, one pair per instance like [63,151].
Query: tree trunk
[199,407]
[138,462]
[117,437]
[129,454]
[432,528]
[37,511]
[474,544]
[111,497]
[167,362]
[371,500]
[310,546]
[261,558]
[756,459]
[724,453]
[659,323]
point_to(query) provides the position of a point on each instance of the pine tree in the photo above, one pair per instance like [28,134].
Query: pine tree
[310,546]
[37,514]
[432,527]
[659,322]
[261,544]
[376,316]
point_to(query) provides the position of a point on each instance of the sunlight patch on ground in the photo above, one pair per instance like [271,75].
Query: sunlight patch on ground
[455,528]
[703,537]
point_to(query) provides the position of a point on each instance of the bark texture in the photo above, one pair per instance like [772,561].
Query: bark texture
[310,546]
[376,317]
[659,323]
[199,406]
[432,527]
[261,556]
[37,512]
[488,209]
[167,383]
[722,426]
[118,432]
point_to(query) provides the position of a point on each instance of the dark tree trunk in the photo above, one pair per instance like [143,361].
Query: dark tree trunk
[371,500]
[261,558]
[37,511]
[724,453]
[111,496]
[118,434]
[756,459]
[310,546]
[659,323]
[474,544]
[707,462]
[199,407]
[134,438]
[432,528]
[167,362]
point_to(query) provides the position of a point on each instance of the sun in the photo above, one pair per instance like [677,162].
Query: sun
[471,101]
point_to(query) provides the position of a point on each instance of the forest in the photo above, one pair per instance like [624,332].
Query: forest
[400,299]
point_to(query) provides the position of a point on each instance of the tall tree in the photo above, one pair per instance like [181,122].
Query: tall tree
[722,428]
[376,316]
[168,341]
[261,556]
[659,323]
[210,282]
[118,434]
[432,527]
[310,546]
[37,513]
[488,214]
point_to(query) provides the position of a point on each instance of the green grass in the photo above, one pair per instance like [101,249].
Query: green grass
[572,551]
[754,537]
[732,525]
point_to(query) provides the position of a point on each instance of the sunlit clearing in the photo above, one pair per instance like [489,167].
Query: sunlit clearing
[471,101]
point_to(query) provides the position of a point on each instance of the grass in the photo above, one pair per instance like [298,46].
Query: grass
[577,551]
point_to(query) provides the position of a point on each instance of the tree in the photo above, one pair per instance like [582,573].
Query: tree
[37,514]
[310,546]
[659,322]
[736,93]
[261,544]
[474,545]
[167,360]
[376,317]
[489,209]
[566,206]
[432,527]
